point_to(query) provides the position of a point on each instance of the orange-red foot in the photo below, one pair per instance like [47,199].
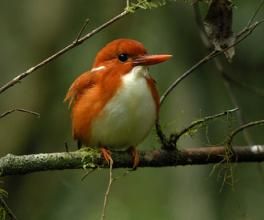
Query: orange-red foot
[135,157]
[106,154]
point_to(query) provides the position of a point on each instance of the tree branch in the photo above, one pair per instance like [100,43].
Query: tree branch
[24,164]
[219,65]
[241,128]
[242,35]
[79,40]
[199,123]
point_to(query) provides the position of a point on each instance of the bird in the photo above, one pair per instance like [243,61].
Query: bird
[115,104]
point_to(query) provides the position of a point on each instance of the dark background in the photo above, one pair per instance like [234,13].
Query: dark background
[33,30]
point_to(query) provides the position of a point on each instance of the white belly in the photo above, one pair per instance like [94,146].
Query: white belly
[128,117]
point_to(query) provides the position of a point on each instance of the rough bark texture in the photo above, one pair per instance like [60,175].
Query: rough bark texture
[17,165]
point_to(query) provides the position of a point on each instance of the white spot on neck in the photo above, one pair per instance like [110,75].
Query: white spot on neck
[97,68]
[138,72]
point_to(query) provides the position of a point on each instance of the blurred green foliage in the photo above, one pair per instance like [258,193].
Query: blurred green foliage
[34,29]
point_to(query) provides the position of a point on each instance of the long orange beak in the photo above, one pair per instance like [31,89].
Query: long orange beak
[146,60]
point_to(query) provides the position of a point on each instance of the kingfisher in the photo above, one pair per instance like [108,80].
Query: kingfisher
[115,104]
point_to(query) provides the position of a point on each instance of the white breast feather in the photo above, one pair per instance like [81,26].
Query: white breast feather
[128,117]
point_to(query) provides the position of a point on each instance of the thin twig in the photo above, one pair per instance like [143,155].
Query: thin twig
[247,31]
[199,122]
[75,43]
[187,73]
[19,110]
[255,13]
[229,153]
[106,197]
[241,36]
[233,98]
[241,128]
[127,4]
[7,209]
[82,29]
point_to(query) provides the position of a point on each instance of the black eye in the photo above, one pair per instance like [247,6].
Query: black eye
[123,57]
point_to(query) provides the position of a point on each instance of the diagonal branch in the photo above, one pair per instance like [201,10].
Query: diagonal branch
[255,13]
[75,43]
[242,35]
[187,73]
[247,30]
[90,159]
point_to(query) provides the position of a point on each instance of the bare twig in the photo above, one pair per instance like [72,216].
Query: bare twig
[241,128]
[161,135]
[255,13]
[82,29]
[229,153]
[228,86]
[187,73]
[75,43]
[7,209]
[19,110]
[106,197]
[127,4]
[198,123]
[243,34]
[239,36]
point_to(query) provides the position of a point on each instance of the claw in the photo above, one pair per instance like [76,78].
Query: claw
[135,157]
[106,154]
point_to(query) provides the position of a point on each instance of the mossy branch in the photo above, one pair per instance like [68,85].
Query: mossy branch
[86,159]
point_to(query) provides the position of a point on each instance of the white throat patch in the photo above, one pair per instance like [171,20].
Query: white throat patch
[129,116]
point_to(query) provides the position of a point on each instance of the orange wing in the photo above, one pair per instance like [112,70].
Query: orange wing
[87,96]
[84,81]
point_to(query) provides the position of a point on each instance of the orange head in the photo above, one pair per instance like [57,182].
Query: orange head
[115,104]
[123,51]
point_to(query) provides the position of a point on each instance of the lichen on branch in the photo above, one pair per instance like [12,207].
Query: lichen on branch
[90,159]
